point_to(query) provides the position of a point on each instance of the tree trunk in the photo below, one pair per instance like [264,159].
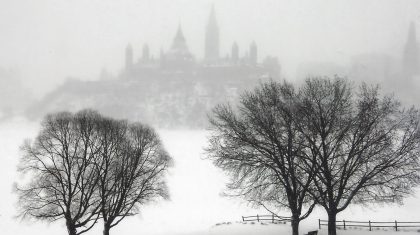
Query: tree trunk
[295,225]
[107,227]
[70,228]
[332,229]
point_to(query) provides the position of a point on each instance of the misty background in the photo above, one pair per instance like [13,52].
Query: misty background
[45,43]
[66,55]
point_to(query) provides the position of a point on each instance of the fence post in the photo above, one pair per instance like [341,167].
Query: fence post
[370,227]
[258,218]
[396,226]
[319,222]
[344,222]
[273,218]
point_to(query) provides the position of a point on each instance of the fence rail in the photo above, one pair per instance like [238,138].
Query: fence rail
[270,218]
[339,223]
[371,224]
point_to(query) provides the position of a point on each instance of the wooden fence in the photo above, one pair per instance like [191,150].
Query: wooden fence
[339,223]
[370,224]
[269,218]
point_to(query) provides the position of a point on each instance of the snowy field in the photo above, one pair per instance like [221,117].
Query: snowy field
[195,206]
[270,229]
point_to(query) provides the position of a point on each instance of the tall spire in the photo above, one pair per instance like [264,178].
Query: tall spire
[179,33]
[235,53]
[146,53]
[128,57]
[212,38]
[253,53]
[411,53]
[212,18]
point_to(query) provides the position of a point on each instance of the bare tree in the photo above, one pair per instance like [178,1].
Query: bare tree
[60,164]
[260,146]
[131,169]
[365,146]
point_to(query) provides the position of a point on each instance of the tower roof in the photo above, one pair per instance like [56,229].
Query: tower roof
[179,35]
[179,46]
[253,44]
[211,53]
[411,56]
[235,45]
[179,42]
[212,18]
[412,33]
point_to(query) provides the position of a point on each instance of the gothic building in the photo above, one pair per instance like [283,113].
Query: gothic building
[171,89]
[179,64]
[176,89]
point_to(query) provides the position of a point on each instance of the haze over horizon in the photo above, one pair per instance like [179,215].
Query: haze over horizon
[50,50]
[49,41]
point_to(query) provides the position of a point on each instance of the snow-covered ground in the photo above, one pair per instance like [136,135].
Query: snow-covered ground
[195,206]
[280,229]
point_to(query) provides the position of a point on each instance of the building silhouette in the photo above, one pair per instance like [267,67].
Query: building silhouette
[410,60]
[176,89]
[128,57]
[179,65]
[172,88]
[211,53]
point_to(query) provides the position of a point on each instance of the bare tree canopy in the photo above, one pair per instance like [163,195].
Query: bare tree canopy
[132,170]
[365,146]
[327,144]
[61,163]
[84,167]
[260,146]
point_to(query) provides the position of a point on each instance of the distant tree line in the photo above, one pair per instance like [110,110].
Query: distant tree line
[171,105]
[85,167]
[324,143]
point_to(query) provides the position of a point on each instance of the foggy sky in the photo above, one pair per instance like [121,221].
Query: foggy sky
[49,40]
[42,42]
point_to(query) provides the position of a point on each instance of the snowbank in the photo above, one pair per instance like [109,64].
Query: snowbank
[239,228]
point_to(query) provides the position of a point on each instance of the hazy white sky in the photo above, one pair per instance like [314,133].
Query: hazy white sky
[49,40]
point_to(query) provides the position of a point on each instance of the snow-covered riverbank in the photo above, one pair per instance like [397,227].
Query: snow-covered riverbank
[196,204]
